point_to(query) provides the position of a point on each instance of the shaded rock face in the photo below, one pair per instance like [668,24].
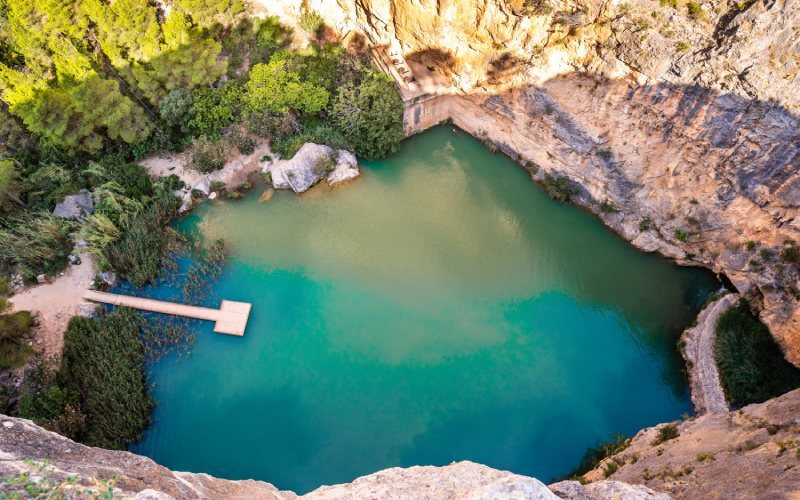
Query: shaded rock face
[686,123]
[141,478]
[749,453]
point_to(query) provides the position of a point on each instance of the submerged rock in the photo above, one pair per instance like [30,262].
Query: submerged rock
[311,164]
[76,206]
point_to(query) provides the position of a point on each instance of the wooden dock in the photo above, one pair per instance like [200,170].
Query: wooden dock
[231,317]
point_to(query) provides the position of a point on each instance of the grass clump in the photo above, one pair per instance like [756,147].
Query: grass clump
[666,433]
[36,242]
[791,254]
[752,368]
[559,187]
[702,457]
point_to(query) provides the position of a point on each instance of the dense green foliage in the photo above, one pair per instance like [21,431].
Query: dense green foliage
[100,395]
[15,330]
[370,115]
[39,243]
[751,365]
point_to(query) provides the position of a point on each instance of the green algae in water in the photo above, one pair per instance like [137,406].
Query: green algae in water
[439,308]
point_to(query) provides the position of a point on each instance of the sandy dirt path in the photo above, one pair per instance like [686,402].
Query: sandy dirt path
[55,303]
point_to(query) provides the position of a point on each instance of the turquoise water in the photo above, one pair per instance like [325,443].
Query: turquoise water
[438,308]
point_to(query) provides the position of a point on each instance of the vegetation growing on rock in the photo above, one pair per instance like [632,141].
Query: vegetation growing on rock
[752,368]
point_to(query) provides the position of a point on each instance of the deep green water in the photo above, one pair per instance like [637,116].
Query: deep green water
[439,308]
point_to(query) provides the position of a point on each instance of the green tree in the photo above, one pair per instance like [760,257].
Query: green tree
[215,109]
[177,109]
[370,115]
[126,29]
[188,66]
[207,12]
[276,87]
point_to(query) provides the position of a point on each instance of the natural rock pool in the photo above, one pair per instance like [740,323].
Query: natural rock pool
[438,308]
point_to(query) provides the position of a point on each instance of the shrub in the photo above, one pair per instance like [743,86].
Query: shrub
[752,368]
[311,21]
[37,243]
[243,141]
[273,125]
[207,155]
[215,109]
[279,86]
[322,134]
[645,224]
[791,254]
[683,46]
[559,187]
[665,433]
[270,37]
[325,164]
[536,7]
[15,332]
[695,11]
[681,235]
[370,115]
[610,469]
[177,109]
[608,207]
[750,245]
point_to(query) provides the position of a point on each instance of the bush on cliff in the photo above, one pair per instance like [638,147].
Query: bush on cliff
[751,365]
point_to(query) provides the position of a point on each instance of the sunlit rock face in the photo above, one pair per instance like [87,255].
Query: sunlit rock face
[685,120]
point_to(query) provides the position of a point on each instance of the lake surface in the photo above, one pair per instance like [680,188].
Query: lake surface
[438,308]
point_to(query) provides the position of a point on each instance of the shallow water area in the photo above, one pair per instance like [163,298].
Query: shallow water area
[438,308]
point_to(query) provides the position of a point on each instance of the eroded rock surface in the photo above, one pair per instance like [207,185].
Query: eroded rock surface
[141,478]
[749,453]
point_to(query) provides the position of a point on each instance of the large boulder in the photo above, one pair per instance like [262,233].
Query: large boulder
[76,206]
[346,168]
[312,163]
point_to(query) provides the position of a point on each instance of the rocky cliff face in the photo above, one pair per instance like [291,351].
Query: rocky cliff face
[24,447]
[678,120]
[749,453]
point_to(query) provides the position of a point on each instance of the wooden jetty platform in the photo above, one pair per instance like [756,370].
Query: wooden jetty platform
[230,318]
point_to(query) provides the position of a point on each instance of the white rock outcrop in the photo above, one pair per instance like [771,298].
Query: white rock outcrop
[311,164]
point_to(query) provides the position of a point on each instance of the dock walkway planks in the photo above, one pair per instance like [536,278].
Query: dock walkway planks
[231,317]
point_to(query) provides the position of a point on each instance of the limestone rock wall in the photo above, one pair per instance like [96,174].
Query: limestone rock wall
[749,453]
[682,116]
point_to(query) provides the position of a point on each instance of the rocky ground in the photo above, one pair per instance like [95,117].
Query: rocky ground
[749,453]
[25,446]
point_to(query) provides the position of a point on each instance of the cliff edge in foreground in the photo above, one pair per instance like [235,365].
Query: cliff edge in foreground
[749,453]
